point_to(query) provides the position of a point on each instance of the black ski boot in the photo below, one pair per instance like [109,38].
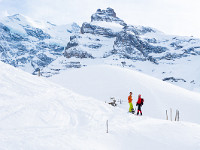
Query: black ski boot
[133,111]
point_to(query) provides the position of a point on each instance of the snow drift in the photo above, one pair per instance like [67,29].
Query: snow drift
[39,115]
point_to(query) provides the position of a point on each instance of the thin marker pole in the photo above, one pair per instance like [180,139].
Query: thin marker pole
[171,113]
[107,126]
[166,115]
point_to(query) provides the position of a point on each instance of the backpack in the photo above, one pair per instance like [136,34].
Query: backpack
[142,101]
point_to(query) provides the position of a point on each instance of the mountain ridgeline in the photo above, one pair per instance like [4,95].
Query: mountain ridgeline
[32,46]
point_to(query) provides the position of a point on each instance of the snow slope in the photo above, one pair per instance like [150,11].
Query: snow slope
[105,81]
[37,114]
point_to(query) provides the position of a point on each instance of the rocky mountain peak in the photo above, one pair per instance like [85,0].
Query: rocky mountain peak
[109,12]
[107,15]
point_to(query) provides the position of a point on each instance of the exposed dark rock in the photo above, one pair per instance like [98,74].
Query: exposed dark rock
[172,79]
[138,30]
[176,46]
[73,52]
[37,33]
[97,30]
[153,40]
[71,44]
[47,60]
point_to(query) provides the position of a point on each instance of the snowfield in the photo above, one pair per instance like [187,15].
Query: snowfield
[37,114]
[104,81]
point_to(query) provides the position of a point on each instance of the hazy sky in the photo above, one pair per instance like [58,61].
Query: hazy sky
[179,17]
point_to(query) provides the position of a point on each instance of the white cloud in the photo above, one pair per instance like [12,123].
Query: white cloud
[171,16]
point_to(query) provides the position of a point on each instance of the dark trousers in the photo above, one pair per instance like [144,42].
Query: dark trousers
[139,109]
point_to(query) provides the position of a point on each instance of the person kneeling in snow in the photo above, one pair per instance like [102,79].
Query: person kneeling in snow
[130,102]
[139,104]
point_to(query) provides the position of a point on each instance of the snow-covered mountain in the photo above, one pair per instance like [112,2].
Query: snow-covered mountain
[32,45]
[107,39]
[38,114]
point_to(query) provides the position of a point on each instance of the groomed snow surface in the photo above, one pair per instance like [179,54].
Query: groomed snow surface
[37,114]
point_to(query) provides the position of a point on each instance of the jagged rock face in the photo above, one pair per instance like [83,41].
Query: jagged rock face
[131,46]
[128,46]
[73,51]
[97,30]
[107,15]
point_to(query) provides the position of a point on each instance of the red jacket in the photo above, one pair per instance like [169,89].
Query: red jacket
[139,100]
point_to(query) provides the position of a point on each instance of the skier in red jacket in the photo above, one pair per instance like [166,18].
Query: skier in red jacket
[139,104]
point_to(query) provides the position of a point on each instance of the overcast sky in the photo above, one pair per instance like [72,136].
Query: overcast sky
[178,17]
